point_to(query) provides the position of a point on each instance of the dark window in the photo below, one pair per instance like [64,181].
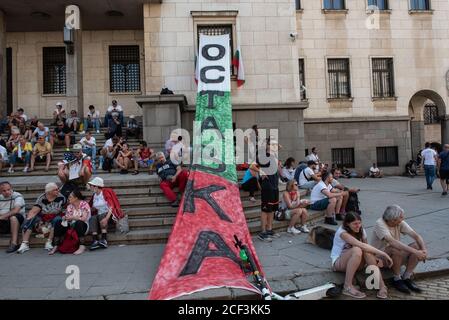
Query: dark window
[124,68]
[387,156]
[380,4]
[334,4]
[54,70]
[298,4]
[419,4]
[302,79]
[383,79]
[431,114]
[339,81]
[343,157]
[218,30]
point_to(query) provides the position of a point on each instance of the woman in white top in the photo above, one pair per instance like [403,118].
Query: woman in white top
[351,253]
[294,208]
[288,171]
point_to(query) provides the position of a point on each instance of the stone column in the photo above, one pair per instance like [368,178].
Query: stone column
[445,129]
[417,137]
[2,63]
[74,76]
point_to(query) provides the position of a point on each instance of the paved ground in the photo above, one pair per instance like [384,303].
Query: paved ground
[126,272]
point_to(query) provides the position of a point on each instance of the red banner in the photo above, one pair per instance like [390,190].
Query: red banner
[200,253]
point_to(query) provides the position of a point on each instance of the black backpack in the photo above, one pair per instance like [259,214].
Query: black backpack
[353,204]
[166,91]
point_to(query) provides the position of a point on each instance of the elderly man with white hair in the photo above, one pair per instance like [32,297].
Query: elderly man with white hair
[386,237]
[47,209]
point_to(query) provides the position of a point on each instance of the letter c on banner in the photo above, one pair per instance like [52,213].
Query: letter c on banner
[205,79]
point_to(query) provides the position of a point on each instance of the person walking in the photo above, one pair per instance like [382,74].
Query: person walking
[430,158]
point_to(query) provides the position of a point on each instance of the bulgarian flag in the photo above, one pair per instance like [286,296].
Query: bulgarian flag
[238,63]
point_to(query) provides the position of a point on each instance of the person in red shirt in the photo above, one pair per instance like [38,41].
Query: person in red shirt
[144,158]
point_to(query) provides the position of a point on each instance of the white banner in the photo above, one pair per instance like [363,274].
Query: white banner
[214,63]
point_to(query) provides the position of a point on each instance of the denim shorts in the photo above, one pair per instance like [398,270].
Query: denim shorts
[320,205]
[30,224]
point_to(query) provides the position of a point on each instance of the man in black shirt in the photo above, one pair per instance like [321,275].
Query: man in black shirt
[170,176]
[61,135]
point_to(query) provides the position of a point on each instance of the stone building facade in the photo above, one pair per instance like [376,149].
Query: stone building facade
[352,80]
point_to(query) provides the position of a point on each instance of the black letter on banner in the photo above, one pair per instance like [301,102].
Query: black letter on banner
[210,96]
[205,194]
[205,52]
[210,123]
[207,80]
[201,250]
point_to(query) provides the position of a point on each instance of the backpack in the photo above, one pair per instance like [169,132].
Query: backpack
[322,237]
[70,243]
[166,91]
[353,204]
[298,171]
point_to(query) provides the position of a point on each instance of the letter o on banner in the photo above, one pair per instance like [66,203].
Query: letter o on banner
[206,54]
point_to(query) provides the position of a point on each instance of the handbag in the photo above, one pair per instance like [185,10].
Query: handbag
[70,243]
[122,225]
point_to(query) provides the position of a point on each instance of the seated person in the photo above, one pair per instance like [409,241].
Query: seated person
[59,114]
[374,172]
[114,127]
[124,158]
[351,252]
[22,153]
[386,237]
[4,159]
[288,171]
[41,131]
[41,153]
[143,158]
[115,108]
[48,207]
[250,182]
[338,187]
[170,176]
[13,140]
[294,208]
[33,123]
[410,169]
[176,152]
[92,119]
[89,147]
[133,129]
[110,151]
[322,198]
[61,136]
[76,167]
[308,178]
[28,134]
[73,121]
[12,214]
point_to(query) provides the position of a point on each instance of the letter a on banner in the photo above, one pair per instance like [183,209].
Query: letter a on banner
[200,253]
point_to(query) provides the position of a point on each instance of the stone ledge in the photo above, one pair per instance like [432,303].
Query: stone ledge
[356,119]
[262,106]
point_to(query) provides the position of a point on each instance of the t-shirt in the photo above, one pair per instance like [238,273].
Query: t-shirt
[27,147]
[145,153]
[84,142]
[118,108]
[100,203]
[381,230]
[3,153]
[42,149]
[109,143]
[176,153]
[288,174]
[429,156]
[313,157]
[62,131]
[374,170]
[307,172]
[82,212]
[7,204]
[444,157]
[340,244]
[334,183]
[94,115]
[165,170]
[54,207]
[41,133]
[316,194]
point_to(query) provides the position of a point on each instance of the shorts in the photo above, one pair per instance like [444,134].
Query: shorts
[5,225]
[145,164]
[270,200]
[320,205]
[32,223]
[444,174]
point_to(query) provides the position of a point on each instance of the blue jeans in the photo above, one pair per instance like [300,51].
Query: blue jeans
[26,157]
[92,153]
[94,123]
[430,175]
[108,116]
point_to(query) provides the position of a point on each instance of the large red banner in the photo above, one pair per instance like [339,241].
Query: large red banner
[200,253]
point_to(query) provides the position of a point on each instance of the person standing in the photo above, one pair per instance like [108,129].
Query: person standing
[430,158]
[443,167]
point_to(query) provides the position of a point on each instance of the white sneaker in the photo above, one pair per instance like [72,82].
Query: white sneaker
[10,170]
[304,229]
[98,131]
[25,169]
[252,199]
[82,132]
[48,245]
[293,230]
[24,247]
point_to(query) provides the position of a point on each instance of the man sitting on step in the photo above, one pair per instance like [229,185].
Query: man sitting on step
[76,167]
[170,176]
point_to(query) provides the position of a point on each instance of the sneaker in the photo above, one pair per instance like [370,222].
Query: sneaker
[252,199]
[95,245]
[48,245]
[412,286]
[103,243]
[82,132]
[25,169]
[271,234]
[10,170]
[444,194]
[24,247]
[304,229]
[293,230]
[401,286]
[12,248]
[264,237]
[330,221]
[339,217]
[98,131]
[67,149]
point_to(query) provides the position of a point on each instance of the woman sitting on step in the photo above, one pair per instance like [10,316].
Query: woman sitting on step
[351,252]
[105,205]
[76,217]
[294,208]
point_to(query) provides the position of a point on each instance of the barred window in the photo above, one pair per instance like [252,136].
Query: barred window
[218,30]
[302,79]
[339,78]
[419,4]
[387,156]
[383,79]
[54,70]
[343,157]
[334,4]
[380,4]
[124,68]
[431,115]
[298,4]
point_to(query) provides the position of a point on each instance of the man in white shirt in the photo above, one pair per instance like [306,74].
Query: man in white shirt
[3,157]
[308,178]
[314,157]
[322,198]
[386,237]
[430,158]
[114,108]
[176,152]
[374,172]
[22,115]
[89,147]
[93,119]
